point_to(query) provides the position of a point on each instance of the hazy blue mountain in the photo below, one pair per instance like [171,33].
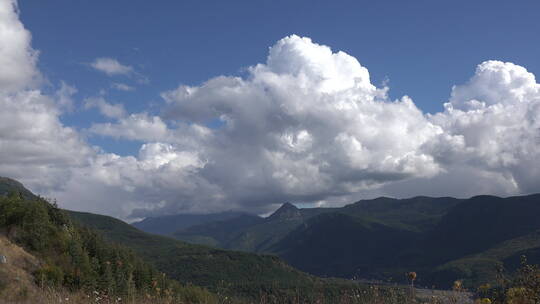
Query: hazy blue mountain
[169,224]
[218,233]
[245,232]
[414,214]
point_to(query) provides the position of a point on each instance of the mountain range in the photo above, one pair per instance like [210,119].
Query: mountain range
[443,239]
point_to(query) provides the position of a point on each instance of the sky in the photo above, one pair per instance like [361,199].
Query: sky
[133,109]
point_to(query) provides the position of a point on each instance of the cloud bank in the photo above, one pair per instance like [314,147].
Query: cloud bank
[305,126]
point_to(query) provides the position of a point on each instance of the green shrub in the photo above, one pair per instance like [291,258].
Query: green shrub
[49,275]
[195,294]
[522,288]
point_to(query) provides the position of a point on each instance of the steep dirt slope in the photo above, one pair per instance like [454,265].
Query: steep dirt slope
[16,280]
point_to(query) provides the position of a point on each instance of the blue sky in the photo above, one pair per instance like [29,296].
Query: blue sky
[200,106]
[422,47]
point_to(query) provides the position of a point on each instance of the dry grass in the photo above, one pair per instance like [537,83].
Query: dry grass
[16,280]
[444,296]
[48,296]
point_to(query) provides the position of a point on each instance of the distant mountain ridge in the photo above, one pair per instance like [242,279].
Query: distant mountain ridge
[168,224]
[443,238]
[415,214]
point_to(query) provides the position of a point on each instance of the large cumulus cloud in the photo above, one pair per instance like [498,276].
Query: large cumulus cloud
[491,138]
[492,124]
[305,126]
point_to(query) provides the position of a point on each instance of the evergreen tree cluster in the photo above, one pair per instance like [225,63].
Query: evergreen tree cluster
[77,258]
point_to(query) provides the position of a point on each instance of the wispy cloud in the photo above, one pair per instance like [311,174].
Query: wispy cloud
[122,87]
[111,66]
[64,96]
[107,109]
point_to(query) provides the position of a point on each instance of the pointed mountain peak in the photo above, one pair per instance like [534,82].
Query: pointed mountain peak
[285,212]
[288,205]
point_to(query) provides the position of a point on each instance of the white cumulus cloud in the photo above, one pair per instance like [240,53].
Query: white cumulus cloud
[17,58]
[306,124]
[492,124]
